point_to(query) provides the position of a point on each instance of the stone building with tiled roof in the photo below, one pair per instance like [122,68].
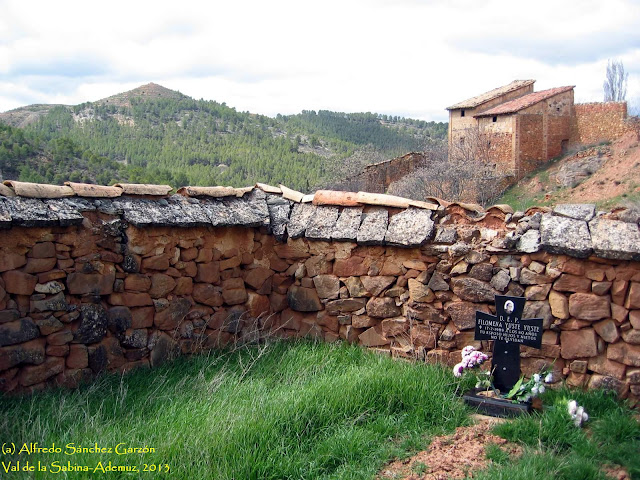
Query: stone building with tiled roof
[514,127]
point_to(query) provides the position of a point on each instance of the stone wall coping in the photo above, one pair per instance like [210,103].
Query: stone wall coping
[360,217]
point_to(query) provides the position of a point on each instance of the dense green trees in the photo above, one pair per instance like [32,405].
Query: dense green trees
[182,141]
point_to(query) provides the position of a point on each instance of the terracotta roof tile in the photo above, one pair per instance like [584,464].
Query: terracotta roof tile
[491,94]
[523,102]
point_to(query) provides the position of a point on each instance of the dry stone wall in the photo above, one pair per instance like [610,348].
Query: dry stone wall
[90,285]
[598,122]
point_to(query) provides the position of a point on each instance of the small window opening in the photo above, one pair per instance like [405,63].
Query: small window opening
[461,140]
[462,113]
[495,119]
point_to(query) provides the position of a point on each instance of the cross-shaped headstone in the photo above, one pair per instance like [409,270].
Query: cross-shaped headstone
[508,330]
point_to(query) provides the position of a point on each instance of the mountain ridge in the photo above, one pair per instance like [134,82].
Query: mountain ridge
[154,134]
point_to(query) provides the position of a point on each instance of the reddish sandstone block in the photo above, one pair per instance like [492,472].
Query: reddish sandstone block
[587,306]
[184,286]
[170,317]
[257,305]
[161,285]
[373,337]
[392,327]
[579,343]
[383,307]
[608,330]
[352,266]
[19,283]
[130,299]
[256,277]
[91,283]
[619,291]
[207,294]
[57,350]
[424,335]
[205,255]
[188,254]
[208,272]
[232,262]
[327,286]
[11,261]
[39,373]
[142,317]
[78,356]
[137,282]
[572,283]
[32,352]
[623,352]
[157,262]
[39,265]
[51,275]
[601,364]
[633,297]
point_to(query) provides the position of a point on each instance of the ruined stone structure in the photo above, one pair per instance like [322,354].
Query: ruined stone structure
[99,279]
[518,130]
[377,177]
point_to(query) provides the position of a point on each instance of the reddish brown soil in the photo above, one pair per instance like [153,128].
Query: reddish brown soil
[454,456]
[458,455]
[618,176]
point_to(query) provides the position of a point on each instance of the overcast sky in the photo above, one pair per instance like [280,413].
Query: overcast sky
[402,57]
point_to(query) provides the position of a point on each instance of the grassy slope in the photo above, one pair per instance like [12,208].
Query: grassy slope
[303,411]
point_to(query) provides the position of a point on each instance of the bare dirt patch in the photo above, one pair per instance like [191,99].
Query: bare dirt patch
[454,456]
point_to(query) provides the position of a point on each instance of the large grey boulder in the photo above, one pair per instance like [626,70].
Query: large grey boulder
[577,211]
[279,209]
[299,220]
[5,216]
[322,223]
[529,242]
[187,211]
[347,225]
[615,239]
[373,227]
[93,324]
[562,235]
[30,212]
[410,228]
[248,211]
[67,212]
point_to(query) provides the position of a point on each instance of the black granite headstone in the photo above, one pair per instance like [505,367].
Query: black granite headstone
[508,330]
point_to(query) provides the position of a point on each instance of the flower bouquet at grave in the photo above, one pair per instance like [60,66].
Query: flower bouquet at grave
[525,391]
[472,359]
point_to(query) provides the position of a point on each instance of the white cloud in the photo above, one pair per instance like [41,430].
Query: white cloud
[410,57]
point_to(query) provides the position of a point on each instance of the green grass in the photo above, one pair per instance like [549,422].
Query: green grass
[281,411]
[555,449]
[299,410]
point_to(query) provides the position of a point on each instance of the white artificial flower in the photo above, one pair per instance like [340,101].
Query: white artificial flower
[548,378]
[573,405]
[534,391]
[536,378]
[541,389]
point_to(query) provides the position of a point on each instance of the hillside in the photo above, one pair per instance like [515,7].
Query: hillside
[607,175]
[155,135]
